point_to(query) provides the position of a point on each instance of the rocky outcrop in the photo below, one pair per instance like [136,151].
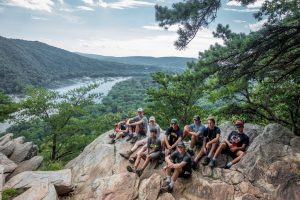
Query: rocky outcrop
[270,170]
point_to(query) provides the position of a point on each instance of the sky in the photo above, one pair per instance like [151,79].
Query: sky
[113,27]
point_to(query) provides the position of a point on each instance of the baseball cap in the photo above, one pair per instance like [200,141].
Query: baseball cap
[180,144]
[239,124]
[174,121]
[140,110]
[152,118]
[197,117]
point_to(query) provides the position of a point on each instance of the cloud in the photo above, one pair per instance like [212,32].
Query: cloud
[256,4]
[155,27]
[120,4]
[42,5]
[241,10]
[158,45]
[84,8]
[239,21]
[256,26]
[39,18]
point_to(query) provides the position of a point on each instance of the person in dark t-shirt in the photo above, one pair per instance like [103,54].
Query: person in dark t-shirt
[152,152]
[173,135]
[180,163]
[235,145]
[212,135]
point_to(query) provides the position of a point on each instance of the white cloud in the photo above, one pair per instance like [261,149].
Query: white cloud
[43,5]
[84,8]
[155,27]
[256,26]
[239,21]
[256,4]
[39,18]
[241,10]
[61,1]
[66,9]
[159,45]
[120,4]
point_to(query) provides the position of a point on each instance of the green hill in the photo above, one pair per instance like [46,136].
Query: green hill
[176,64]
[32,62]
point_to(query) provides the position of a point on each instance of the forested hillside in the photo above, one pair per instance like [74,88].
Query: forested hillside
[176,64]
[31,62]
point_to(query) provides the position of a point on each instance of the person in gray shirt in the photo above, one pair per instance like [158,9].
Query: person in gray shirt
[140,125]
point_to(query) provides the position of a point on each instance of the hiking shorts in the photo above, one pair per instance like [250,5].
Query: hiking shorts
[155,155]
[228,152]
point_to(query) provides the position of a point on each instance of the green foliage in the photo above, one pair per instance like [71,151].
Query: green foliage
[7,107]
[191,14]
[10,193]
[35,63]
[176,96]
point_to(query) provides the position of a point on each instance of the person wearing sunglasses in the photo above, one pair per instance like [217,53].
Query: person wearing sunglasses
[235,145]
[172,137]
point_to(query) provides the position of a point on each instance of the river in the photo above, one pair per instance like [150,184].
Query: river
[105,85]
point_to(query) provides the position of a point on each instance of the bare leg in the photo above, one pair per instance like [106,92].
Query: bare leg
[219,149]
[240,155]
[176,173]
[121,134]
[193,141]
[213,148]
[199,155]
[148,158]
[138,159]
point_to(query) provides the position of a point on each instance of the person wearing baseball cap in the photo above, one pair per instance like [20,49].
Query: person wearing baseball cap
[140,125]
[180,163]
[194,134]
[121,130]
[173,135]
[235,145]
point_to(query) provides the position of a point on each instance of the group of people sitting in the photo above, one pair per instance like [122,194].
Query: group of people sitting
[177,146]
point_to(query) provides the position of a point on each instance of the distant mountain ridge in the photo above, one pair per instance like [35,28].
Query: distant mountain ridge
[31,62]
[168,63]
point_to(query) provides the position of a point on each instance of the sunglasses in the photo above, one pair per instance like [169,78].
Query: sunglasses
[239,125]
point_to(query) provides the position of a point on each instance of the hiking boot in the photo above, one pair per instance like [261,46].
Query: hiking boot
[132,160]
[205,161]
[166,188]
[212,163]
[112,141]
[191,152]
[112,135]
[165,182]
[139,172]
[130,136]
[134,139]
[130,169]
[126,155]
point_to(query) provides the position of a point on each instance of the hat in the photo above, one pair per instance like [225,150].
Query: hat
[197,117]
[124,117]
[180,144]
[153,130]
[174,121]
[152,118]
[140,110]
[239,124]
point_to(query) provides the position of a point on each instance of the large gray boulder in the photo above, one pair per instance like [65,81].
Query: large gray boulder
[60,179]
[8,165]
[270,170]
[8,148]
[27,165]
[23,151]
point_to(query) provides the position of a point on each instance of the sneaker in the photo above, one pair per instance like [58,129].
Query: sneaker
[112,135]
[139,172]
[205,161]
[130,169]
[191,152]
[166,182]
[130,136]
[126,155]
[134,139]
[166,188]
[212,163]
[132,160]
[112,141]
[226,167]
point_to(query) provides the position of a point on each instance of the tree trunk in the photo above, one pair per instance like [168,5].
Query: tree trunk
[53,156]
